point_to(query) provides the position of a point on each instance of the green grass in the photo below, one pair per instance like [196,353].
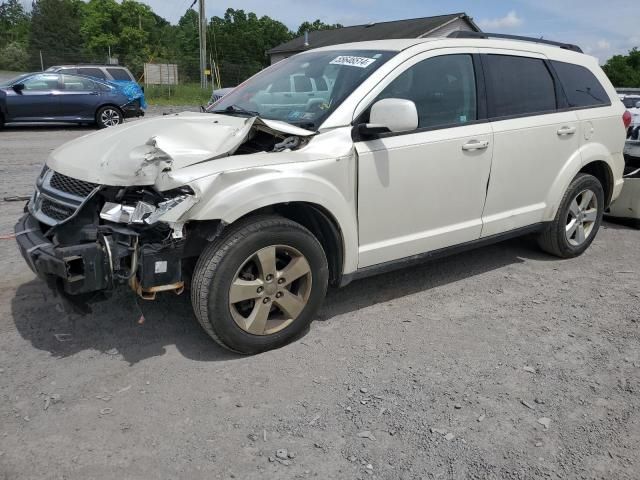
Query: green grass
[185,94]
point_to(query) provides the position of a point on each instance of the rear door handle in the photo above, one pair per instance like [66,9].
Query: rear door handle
[475,145]
[566,131]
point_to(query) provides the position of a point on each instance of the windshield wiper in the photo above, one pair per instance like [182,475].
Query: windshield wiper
[237,109]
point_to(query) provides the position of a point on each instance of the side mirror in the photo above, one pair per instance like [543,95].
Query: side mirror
[637,104]
[18,87]
[203,109]
[391,115]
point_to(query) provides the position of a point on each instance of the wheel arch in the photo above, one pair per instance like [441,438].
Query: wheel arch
[602,171]
[590,160]
[322,224]
[326,208]
[108,104]
[315,218]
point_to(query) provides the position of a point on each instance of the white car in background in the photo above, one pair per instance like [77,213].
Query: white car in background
[627,206]
[632,145]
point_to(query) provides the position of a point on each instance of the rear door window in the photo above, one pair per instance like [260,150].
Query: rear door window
[78,84]
[92,72]
[119,74]
[581,86]
[518,86]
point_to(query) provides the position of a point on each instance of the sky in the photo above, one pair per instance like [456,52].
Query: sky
[601,28]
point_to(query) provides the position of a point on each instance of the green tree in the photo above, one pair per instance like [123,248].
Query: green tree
[14,57]
[240,41]
[54,32]
[129,30]
[187,44]
[624,70]
[315,26]
[14,23]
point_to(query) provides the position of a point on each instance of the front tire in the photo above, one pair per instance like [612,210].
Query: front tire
[578,218]
[109,116]
[260,285]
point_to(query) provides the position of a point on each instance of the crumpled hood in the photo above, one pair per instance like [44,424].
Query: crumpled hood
[135,153]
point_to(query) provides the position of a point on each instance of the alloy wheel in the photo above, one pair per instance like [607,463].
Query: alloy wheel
[270,290]
[110,117]
[582,216]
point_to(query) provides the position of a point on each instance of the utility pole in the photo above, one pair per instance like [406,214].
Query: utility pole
[203,44]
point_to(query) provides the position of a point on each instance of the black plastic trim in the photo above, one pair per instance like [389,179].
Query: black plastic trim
[76,269]
[436,254]
[486,35]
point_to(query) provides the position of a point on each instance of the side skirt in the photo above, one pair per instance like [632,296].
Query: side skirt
[435,254]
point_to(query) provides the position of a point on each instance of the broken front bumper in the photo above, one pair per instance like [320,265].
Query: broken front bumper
[77,269]
[88,267]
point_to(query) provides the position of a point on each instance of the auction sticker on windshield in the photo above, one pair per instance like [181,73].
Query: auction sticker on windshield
[360,62]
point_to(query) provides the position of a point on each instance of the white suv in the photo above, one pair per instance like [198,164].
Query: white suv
[419,148]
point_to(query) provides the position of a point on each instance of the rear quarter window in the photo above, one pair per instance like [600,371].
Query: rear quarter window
[91,72]
[580,85]
[119,74]
[518,86]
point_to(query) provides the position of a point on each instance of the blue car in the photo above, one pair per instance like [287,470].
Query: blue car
[59,97]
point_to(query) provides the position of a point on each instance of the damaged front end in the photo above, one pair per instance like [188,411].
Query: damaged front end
[85,238]
[109,209]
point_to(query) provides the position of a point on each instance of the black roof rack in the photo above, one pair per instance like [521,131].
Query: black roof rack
[465,34]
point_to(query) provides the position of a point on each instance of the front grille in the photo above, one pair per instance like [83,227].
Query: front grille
[55,210]
[71,185]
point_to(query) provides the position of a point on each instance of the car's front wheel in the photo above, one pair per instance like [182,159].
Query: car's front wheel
[577,220]
[260,285]
[109,116]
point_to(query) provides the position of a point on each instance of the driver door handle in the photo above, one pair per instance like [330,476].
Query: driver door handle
[475,145]
[566,130]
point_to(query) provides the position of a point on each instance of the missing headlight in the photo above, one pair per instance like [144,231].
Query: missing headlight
[168,211]
[115,212]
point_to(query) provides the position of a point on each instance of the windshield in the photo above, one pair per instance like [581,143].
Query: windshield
[8,83]
[303,90]
[630,102]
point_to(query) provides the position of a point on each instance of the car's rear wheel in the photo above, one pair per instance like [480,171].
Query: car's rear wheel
[109,116]
[260,285]
[577,220]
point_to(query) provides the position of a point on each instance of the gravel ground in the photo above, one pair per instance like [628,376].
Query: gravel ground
[497,363]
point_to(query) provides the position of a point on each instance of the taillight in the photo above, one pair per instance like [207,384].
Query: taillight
[626,118]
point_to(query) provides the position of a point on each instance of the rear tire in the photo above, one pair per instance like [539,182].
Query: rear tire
[109,116]
[260,285]
[578,218]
